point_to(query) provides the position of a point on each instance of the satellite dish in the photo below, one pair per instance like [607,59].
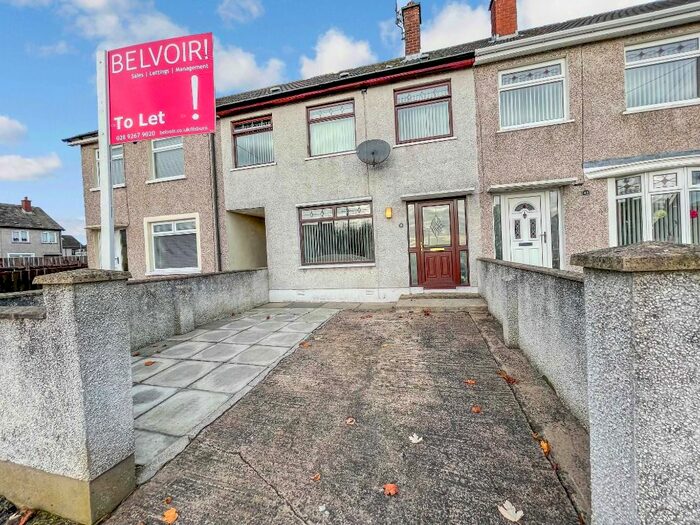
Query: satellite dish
[373,151]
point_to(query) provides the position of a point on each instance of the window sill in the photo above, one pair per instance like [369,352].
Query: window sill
[20,242]
[645,109]
[535,126]
[427,141]
[168,179]
[243,168]
[115,187]
[339,265]
[178,271]
[329,155]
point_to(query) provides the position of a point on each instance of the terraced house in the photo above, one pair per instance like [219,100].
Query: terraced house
[527,146]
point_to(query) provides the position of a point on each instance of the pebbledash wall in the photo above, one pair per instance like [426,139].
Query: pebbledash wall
[597,128]
[413,171]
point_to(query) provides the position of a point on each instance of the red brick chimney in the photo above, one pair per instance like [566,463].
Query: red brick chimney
[504,17]
[26,205]
[411,27]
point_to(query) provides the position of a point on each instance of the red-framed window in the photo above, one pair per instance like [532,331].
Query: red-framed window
[252,142]
[331,128]
[423,112]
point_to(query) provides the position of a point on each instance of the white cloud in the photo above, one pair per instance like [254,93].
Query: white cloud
[533,13]
[15,167]
[456,23]
[240,10]
[389,33]
[74,226]
[11,130]
[48,50]
[237,69]
[334,52]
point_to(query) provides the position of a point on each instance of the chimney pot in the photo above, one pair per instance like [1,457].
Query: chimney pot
[411,28]
[26,205]
[504,17]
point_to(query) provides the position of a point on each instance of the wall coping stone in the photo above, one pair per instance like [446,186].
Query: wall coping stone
[561,274]
[650,256]
[16,295]
[81,276]
[182,277]
[22,312]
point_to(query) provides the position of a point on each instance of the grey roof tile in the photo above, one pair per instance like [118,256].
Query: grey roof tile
[12,216]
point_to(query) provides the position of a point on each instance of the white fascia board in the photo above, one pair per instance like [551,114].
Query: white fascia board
[82,142]
[645,166]
[681,15]
[538,184]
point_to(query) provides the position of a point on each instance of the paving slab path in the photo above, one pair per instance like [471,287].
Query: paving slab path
[396,373]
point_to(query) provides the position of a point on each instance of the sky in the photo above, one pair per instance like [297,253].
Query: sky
[47,63]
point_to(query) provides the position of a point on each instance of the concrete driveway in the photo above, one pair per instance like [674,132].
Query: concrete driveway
[286,454]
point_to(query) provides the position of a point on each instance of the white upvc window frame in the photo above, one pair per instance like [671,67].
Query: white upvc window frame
[155,149]
[47,235]
[661,60]
[149,223]
[684,187]
[563,77]
[113,156]
[17,239]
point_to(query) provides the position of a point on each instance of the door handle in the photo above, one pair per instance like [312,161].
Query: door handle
[437,249]
[544,237]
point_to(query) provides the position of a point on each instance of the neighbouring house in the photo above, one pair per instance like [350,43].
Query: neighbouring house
[27,231]
[526,146]
[588,132]
[72,246]
[164,214]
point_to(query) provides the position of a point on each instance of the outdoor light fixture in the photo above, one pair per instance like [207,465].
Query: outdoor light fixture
[388,212]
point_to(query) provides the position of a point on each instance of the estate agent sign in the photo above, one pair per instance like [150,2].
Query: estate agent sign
[161,89]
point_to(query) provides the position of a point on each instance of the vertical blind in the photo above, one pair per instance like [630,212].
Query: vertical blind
[116,168]
[168,158]
[340,234]
[629,221]
[695,217]
[424,121]
[532,104]
[254,148]
[666,217]
[175,245]
[332,136]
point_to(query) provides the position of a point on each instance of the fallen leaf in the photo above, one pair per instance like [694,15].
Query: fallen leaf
[26,516]
[476,409]
[391,489]
[365,317]
[415,438]
[544,445]
[316,477]
[508,379]
[149,363]
[350,421]
[170,516]
[469,382]
[135,354]
[426,312]
[168,500]
[304,344]
[268,317]
[508,511]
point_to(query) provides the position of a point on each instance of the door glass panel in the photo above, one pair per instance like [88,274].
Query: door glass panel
[462,219]
[436,226]
[411,225]
[694,219]
[413,263]
[516,231]
[533,228]
[629,221]
[666,217]
[554,226]
[464,267]
[497,234]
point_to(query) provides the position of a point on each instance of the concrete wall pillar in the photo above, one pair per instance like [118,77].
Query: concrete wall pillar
[184,307]
[511,327]
[66,424]
[642,306]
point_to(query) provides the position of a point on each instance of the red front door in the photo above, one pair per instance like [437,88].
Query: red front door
[438,244]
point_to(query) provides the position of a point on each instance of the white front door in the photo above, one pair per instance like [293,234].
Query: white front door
[526,232]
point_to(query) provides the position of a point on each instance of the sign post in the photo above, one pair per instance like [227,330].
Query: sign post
[150,91]
[107,255]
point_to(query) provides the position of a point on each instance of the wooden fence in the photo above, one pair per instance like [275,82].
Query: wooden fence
[17,274]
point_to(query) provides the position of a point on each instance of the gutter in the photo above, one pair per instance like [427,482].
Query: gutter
[681,15]
[350,86]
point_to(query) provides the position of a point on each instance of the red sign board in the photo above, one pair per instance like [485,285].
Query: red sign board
[161,89]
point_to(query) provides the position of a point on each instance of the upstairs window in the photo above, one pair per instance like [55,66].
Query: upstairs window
[331,128]
[49,237]
[117,167]
[337,234]
[532,96]
[20,236]
[252,142]
[423,113]
[168,158]
[662,73]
